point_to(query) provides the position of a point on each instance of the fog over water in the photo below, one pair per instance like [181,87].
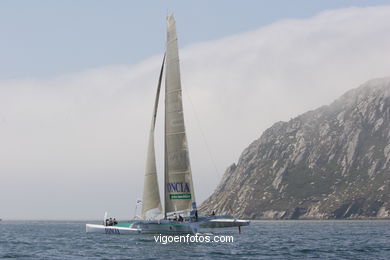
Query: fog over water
[74,146]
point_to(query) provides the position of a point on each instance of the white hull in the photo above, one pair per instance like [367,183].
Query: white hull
[92,228]
[166,226]
[146,227]
[224,223]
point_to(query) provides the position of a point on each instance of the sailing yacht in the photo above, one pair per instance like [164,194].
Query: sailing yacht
[179,213]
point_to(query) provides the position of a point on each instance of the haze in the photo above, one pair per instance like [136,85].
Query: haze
[73,144]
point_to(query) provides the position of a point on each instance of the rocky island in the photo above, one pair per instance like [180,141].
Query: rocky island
[329,163]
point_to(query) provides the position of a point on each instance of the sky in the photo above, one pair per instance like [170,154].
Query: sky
[78,78]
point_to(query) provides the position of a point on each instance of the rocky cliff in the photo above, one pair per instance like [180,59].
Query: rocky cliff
[330,163]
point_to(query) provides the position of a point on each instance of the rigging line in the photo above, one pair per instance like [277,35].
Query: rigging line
[158,93]
[202,133]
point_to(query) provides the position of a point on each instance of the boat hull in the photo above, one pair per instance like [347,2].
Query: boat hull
[93,228]
[224,223]
[166,226]
[145,227]
[169,227]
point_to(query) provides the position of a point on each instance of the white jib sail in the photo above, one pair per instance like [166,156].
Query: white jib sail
[151,203]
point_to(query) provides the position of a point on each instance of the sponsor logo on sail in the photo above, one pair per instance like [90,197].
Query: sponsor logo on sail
[178,187]
[183,188]
[184,196]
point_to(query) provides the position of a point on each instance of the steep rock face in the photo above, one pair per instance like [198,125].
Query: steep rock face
[330,163]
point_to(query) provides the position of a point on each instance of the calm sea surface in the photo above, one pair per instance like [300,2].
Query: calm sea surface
[261,240]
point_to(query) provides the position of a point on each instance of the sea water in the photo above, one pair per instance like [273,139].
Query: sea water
[261,240]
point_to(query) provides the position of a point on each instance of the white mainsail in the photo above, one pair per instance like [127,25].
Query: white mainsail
[179,189]
[151,203]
